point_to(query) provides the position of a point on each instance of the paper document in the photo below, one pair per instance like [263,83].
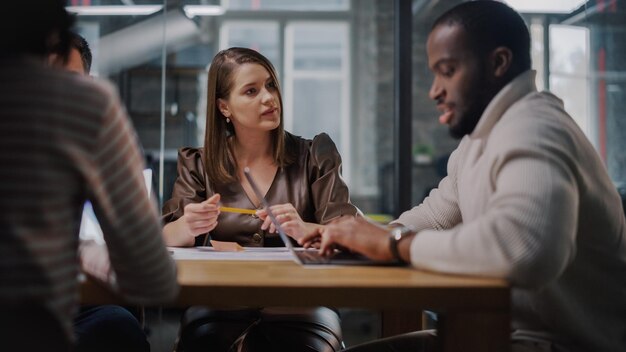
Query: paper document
[247,254]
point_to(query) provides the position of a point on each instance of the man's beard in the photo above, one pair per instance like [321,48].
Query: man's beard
[469,119]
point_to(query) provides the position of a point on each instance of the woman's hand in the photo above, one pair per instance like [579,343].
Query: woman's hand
[197,219]
[290,221]
[200,218]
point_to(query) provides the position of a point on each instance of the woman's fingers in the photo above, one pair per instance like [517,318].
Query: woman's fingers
[201,223]
[283,214]
[204,209]
[214,199]
[283,211]
[202,227]
[202,217]
[266,223]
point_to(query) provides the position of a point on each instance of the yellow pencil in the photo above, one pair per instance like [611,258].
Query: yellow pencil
[238,210]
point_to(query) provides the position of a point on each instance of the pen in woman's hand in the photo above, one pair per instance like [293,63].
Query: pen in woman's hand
[238,210]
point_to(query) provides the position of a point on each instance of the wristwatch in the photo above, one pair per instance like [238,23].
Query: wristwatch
[395,236]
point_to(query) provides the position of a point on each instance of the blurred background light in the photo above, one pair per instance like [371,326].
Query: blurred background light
[114,10]
[203,10]
[543,6]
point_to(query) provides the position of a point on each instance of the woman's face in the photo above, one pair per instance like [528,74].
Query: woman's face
[253,103]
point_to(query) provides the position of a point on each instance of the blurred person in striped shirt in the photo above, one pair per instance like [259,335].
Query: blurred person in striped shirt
[65,139]
[101,327]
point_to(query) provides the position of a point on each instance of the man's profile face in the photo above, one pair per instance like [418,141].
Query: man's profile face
[461,83]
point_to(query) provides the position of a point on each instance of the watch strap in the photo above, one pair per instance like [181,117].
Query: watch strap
[395,236]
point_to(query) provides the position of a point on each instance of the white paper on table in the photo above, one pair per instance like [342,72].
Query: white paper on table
[248,254]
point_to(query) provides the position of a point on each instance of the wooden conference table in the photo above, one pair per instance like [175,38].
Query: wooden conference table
[473,313]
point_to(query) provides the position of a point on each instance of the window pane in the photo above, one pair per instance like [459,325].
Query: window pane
[316,109]
[318,47]
[569,67]
[569,50]
[575,95]
[260,36]
[536,52]
[317,73]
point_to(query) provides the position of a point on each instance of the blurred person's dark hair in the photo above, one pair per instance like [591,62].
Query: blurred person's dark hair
[34,27]
[79,43]
[490,24]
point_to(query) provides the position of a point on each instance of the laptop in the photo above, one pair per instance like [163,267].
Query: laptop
[89,226]
[311,256]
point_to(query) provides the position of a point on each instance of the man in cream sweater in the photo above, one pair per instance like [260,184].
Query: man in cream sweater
[526,199]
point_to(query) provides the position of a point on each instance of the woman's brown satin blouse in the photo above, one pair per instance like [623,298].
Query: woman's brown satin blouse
[312,183]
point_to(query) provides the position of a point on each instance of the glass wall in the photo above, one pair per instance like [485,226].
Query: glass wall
[335,63]
[334,60]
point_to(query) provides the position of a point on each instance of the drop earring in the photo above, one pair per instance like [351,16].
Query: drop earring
[227,120]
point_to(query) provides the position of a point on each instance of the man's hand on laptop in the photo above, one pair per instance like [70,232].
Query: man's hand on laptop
[356,234]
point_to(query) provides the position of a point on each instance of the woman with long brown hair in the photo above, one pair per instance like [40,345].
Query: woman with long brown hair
[244,128]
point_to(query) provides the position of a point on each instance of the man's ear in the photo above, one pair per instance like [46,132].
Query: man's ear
[501,59]
[223,107]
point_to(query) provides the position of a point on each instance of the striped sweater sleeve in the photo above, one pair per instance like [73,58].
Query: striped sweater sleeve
[144,269]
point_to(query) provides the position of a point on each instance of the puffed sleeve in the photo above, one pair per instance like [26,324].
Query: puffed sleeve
[190,186]
[329,191]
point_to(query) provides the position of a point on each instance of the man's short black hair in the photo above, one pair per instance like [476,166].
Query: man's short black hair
[35,27]
[491,24]
[79,43]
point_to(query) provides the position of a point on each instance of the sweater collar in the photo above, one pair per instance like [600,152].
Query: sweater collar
[520,86]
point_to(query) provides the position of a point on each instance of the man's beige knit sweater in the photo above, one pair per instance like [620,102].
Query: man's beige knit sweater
[528,199]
